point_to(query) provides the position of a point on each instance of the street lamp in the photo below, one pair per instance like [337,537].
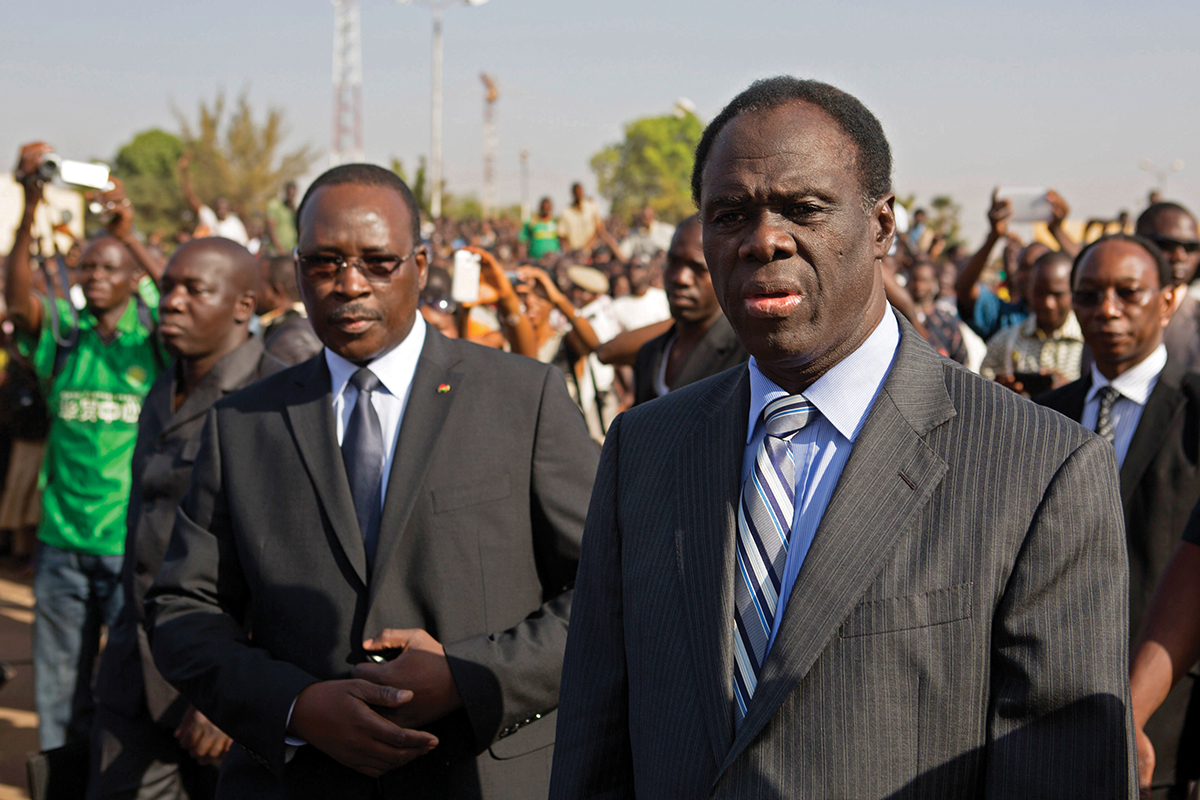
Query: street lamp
[435,121]
[1161,173]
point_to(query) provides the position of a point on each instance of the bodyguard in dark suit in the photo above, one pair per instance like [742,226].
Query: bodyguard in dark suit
[447,524]
[852,569]
[208,296]
[700,343]
[1141,400]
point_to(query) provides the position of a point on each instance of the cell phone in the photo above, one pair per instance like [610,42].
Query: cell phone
[1029,203]
[384,656]
[1035,383]
[464,286]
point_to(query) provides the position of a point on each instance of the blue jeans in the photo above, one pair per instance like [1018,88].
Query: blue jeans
[74,595]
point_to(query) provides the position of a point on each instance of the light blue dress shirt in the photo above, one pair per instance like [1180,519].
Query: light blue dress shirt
[1135,386]
[842,398]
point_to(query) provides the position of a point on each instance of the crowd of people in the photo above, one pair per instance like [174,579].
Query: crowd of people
[268,460]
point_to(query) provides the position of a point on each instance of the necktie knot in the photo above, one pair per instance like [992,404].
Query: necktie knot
[364,380]
[783,418]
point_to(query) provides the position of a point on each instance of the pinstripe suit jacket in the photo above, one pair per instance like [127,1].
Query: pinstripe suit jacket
[958,628]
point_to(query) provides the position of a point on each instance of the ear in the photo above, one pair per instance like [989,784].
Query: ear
[422,260]
[243,309]
[1170,299]
[883,224]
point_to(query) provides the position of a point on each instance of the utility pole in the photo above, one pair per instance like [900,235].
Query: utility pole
[526,207]
[347,142]
[490,144]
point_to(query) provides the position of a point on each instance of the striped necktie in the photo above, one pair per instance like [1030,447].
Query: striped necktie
[1104,420]
[764,526]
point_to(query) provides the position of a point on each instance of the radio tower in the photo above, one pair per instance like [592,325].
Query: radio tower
[490,145]
[347,142]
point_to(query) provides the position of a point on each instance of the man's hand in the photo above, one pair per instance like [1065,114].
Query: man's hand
[117,203]
[998,215]
[1058,207]
[494,286]
[420,667]
[1145,757]
[203,740]
[26,172]
[340,719]
[1010,382]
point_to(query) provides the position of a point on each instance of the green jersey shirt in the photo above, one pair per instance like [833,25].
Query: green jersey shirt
[541,234]
[94,404]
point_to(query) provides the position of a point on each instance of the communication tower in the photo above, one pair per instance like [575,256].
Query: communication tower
[347,143]
[490,143]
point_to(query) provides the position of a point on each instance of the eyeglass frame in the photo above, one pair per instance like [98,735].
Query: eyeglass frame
[1168,243]
[1102,296]
[359,264]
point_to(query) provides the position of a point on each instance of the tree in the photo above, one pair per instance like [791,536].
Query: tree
[419,190]
[945,217]
[238,158]
[147,166]
[652,166]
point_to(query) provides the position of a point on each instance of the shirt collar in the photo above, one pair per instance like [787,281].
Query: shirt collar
[395,368]
[845,393]
[1135,383]
[1070,329]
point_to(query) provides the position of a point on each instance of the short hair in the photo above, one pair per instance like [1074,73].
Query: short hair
[1049,259]
[874,158]
[281,276]
[1165,275]
[1147,217]
[365,175]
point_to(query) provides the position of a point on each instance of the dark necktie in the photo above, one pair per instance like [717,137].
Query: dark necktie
[1104,418]
[764,529]
[362,452]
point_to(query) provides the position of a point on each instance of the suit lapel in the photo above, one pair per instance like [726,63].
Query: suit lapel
[1164,403]
[706,507]
[226,376]
[311,417]
[709,349]
[424,415]
[889,477]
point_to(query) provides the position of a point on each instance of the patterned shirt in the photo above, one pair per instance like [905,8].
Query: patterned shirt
[1026,348]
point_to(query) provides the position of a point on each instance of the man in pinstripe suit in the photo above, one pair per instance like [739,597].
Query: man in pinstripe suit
[874,574]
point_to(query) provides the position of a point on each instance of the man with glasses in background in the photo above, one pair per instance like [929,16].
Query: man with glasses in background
[403,498]
[1173,229]
[1139,398]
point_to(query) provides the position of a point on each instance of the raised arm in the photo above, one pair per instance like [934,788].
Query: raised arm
[1060,211]
[496,288]
[581,336]
[1167,646]
[967,283]
[622,349]
[121,227]
[24,308]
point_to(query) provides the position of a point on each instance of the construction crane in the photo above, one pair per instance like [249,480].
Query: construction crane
[347,142]
[490,143]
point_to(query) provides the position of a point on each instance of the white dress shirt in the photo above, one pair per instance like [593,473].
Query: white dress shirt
[842,397]
[395,370]
[1135,386]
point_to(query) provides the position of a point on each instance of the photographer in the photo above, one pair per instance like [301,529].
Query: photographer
[95,369]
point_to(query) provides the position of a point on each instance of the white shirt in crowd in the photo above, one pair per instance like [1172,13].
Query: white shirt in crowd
[230,228]
[638,312]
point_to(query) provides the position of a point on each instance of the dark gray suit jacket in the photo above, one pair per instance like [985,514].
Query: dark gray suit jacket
[958,628]
[1160,483]
[168,440]
[265,589]
[716,352]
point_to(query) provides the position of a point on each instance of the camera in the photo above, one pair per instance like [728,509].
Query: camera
[78,173]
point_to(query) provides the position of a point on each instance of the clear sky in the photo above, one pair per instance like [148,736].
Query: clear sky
[1065,94]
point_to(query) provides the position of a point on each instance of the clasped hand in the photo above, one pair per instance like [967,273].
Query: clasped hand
[370,722]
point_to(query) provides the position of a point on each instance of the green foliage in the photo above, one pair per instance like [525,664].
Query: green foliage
[459,207]
[908,201]
[944,218]
[653,166]
[237,157]
[147,166]
[417,184]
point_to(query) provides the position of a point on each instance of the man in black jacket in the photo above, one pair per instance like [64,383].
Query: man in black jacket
[425,492]
[701,342]
[1148,406]
[147,741]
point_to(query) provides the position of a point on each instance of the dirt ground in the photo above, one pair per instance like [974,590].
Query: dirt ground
[18,721]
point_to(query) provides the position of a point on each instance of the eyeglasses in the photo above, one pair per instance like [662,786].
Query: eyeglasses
[376,268]
[1126,296]
[1166,244]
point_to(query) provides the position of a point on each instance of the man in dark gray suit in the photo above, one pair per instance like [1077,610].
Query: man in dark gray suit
[147,741]
[425,492]
[700,343]
[852,568]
